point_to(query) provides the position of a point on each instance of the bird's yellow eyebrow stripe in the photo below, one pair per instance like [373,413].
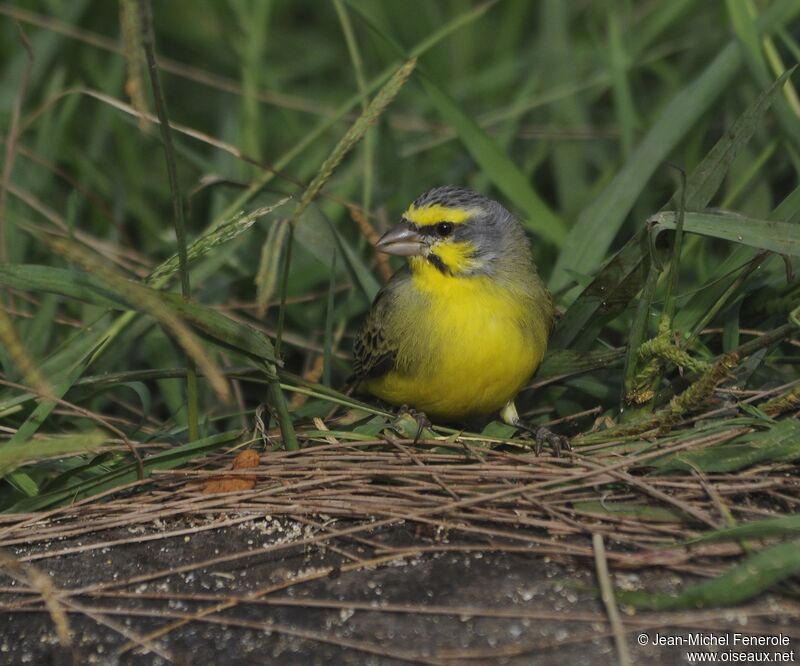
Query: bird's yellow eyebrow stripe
[437,213]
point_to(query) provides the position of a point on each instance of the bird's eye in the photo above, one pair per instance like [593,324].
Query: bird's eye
[444,228]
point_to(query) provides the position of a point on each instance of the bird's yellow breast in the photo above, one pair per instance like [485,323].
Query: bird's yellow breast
[467,351]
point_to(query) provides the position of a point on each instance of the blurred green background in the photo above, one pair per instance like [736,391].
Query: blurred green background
[573,114]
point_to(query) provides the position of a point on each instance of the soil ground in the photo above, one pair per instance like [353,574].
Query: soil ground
[423,608]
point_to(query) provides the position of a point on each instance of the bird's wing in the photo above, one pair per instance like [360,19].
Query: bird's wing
[374,350]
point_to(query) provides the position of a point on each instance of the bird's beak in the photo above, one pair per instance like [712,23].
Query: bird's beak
[403,241]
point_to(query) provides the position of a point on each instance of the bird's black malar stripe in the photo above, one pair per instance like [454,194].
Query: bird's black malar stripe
[436,260]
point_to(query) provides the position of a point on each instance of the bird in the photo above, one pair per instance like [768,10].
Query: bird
[459,330]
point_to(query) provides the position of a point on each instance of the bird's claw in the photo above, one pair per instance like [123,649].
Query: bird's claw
[542,436]
[556,442]
[422,420]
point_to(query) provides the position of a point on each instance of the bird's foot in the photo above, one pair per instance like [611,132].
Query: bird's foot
[557,443]
[541,435]
[420,418]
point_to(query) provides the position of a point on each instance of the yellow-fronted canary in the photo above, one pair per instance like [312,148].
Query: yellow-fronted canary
[458,331]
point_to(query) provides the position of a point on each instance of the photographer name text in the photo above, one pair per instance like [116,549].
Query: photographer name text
[734,639]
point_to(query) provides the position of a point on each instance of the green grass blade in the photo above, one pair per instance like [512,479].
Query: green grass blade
[361,81]
[755,574]
[228,332]
[608,294]
[204,245]
[639,331]
[62,281]
[706,178]
[598,224]
[146,300]
[126,473]
[15,349]
[425,45]
[60,384]
[272,250]
[13,455]
[779,237]
[361,276]
[778,443]
[220,328]
[498,167]
[701,185]
[355,133]
[565,362]
[619,64]
[557,68]
[327,343]
[758,529]
[742,15]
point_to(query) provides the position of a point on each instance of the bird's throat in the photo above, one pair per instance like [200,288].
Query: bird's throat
[448,259]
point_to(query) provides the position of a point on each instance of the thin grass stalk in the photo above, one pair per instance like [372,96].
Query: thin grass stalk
[723,300]
[42,584]
[642,387]
[275,392]
[637,335]
[97,418]
[157,279]
[16,351]
[421,48]
[667,314]
[148,44]
[13,133]
[675,263]
[756,168]
[282,415]
[287,261]
[270,266]
[353,135]
[609,601]
[150,303]
[361,82]
[130,29]
[327,357]
[216,237]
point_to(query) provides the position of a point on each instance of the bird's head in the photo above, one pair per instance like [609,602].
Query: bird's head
[458,232]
